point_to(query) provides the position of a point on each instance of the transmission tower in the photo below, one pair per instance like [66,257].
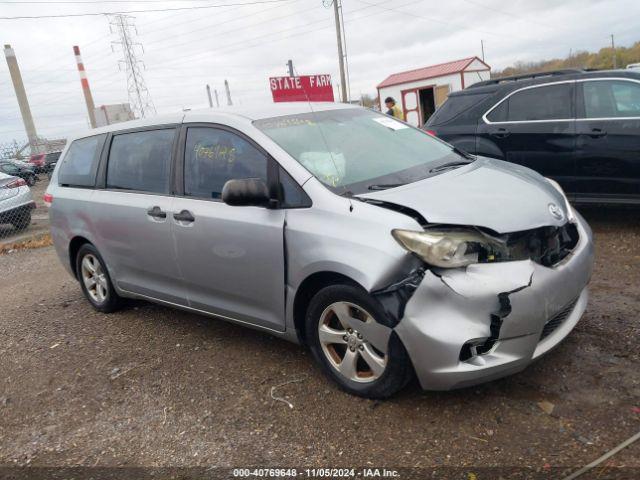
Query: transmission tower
[139,97]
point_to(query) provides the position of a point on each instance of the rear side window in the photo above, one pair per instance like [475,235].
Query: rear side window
[141,161]
[454,106]
[552,102]
[611,99]
[80,163]
[213,156]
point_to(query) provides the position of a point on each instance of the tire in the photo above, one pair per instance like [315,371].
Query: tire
[96,284]
[31,180]
[389,375]
[23,221]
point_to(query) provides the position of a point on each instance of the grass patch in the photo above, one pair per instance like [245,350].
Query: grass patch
[37,241]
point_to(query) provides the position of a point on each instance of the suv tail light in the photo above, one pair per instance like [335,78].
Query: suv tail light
[18,182]
[48,199]
[431,132]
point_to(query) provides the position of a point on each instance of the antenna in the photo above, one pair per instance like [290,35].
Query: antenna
[139,97]
[326,143]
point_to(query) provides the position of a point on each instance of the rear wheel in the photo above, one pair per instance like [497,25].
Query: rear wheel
[31,179]
[22,221]
[350,335]
[95,281]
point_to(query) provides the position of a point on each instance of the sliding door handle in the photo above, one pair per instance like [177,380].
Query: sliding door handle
[184,216]
[156,212]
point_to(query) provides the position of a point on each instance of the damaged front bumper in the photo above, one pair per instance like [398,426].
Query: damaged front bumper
[470,325]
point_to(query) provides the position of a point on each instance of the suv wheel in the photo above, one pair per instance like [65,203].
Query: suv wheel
[94,280]
[346,350]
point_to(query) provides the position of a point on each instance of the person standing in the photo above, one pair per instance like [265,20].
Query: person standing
[392,109]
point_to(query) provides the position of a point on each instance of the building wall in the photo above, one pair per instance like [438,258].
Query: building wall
[474,77]
[454,81]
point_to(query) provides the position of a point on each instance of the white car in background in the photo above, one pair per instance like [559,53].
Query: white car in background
[16,202]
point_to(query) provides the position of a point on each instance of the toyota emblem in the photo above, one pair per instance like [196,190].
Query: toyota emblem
[556,211]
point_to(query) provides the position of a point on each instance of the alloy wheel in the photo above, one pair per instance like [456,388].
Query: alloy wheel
[347,349]
[94,278]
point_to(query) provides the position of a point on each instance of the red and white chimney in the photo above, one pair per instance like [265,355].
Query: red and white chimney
[85,87]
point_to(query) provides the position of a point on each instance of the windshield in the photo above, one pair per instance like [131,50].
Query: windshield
[357,150]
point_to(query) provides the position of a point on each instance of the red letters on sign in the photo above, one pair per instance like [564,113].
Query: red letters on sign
[306,88]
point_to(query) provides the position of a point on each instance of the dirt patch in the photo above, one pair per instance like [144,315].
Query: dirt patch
[152,386]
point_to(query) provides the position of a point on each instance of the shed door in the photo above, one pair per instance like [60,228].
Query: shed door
[411,106]
[441,94]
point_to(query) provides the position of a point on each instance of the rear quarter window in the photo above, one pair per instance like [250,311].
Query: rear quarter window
[80,163]
[454,106]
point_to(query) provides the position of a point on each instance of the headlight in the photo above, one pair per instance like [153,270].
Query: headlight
[449,248]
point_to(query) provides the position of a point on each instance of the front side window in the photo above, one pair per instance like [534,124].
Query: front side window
[213,156]
[140,161]
[611,99]
[80,163]
[355,150]
[552,102]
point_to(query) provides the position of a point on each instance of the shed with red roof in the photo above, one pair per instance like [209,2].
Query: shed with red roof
[419,92]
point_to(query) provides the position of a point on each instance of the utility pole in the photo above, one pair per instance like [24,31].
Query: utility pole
[139,97]
[217,101]
[290,67]
[613,47]
[482,48]
[343,82]
[86,91]
[226,87]
[209,96]
[21,95]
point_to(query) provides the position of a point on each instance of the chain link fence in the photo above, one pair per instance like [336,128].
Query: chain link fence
[23,180]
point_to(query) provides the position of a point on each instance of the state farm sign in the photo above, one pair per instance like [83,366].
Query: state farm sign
[311,88]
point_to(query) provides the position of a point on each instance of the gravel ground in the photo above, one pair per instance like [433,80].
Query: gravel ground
[150,386]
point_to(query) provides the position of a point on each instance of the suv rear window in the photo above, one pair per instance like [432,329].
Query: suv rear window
[551,102]
[454,106]
[80,163]
[140,161]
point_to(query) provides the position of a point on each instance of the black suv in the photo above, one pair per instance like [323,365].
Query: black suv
[581,128]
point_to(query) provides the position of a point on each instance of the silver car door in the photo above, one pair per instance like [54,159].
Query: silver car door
[133,212]
[231,258]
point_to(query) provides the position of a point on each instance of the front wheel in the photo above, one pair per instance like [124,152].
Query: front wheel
[95,281]
[351,337]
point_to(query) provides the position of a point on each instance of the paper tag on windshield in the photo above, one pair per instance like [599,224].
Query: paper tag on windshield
[390,123]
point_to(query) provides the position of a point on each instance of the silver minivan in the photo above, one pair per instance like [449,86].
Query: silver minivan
[387,252]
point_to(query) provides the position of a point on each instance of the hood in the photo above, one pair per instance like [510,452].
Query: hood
[489,193]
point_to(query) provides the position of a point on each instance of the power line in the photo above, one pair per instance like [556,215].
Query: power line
[31,17]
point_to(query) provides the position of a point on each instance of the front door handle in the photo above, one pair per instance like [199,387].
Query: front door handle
[501,133]
[156,212]
[597,133]
[184,216]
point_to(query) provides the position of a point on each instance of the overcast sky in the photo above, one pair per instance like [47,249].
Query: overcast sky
[186,49]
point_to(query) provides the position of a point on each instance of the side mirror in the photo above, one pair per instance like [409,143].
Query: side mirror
[246,192]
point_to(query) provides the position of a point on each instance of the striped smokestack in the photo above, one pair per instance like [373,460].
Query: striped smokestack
[85,87]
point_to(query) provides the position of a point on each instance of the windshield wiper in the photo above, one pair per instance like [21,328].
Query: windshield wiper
[448,165]
[385,186]
[464,154]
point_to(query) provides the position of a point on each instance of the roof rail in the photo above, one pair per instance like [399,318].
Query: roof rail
[526,76]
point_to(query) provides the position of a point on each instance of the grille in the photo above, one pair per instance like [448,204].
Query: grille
[557,320]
